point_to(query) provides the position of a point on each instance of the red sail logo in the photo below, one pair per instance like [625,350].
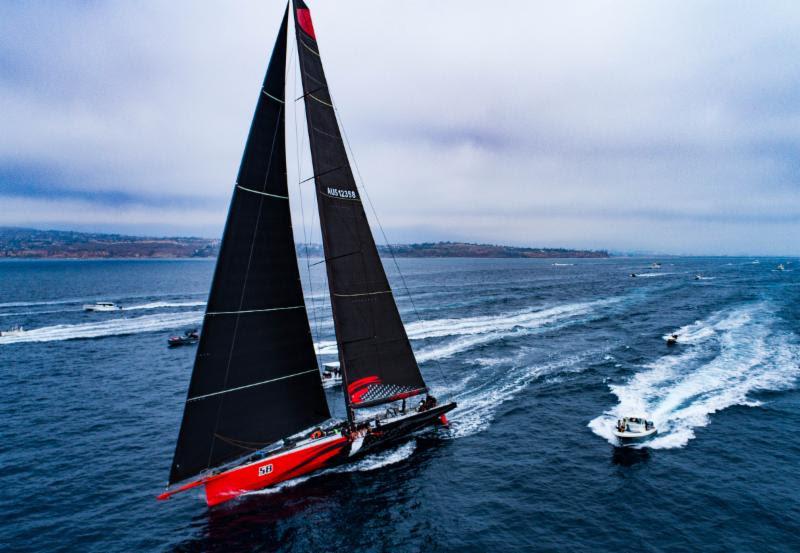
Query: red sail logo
[304,19]
[360,387]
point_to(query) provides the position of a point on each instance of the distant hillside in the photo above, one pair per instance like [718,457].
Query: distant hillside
[23,242]
[31,243]
[463,249]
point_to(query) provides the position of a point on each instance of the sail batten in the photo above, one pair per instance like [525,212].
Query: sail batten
[377,361]
[255,378]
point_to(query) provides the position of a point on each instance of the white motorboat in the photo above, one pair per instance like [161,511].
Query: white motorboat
[780,267]
[633,430]
[101,306]
[15,330]
[331,374]
[655,265]
[672,339]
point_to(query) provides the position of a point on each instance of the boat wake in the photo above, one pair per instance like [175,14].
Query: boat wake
[163,305]
[727,356]
[495,382]
[108,327]
[470,332]
[457,335]
[373,461]
[653,275]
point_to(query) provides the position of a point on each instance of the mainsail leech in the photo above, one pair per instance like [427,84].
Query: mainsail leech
[255,377]
[375,353]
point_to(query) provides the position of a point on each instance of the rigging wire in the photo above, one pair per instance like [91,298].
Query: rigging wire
[380,226]
[300,194]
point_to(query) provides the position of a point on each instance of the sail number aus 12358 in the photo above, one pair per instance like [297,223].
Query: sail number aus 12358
[347,194]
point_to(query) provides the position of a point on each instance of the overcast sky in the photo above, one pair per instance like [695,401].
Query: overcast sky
[661,126]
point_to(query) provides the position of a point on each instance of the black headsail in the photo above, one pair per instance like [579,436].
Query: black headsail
[376,356]
[255,376]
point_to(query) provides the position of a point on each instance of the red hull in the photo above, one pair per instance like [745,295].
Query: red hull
[309,456]
[273,470]
[268,471]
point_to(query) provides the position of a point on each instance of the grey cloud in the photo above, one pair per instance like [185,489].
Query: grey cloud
[657,125]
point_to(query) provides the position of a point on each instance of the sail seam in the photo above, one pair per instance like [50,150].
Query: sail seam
[250,385]
[320,101]
[273,97]
[255,310]
[262,193]
[363,294]
[339,138]
[308,48]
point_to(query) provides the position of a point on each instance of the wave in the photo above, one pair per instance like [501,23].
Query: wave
[163,304]
[505,379]
[469,332]
[29,313]
[38,303]
[370,462]
[109,327]
[82,300]
[653,275]
[729,355]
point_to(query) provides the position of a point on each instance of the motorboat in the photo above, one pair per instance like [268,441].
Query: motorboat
[15,330]
[189,337]
[655,265]
[102,306]
[672,339]
[633,430]
[633,275]
[331,374]
[780,267]
[698,277]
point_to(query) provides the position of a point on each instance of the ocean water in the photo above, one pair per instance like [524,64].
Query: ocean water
[540,356]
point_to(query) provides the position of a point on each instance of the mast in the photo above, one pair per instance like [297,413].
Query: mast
[255,377]
[377,361]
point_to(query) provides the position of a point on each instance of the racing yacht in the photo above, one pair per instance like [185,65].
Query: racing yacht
[256,412]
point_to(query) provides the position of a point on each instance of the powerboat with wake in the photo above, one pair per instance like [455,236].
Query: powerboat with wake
[15,330]
[102,306]
[633,430]
[190,337]
[256,413]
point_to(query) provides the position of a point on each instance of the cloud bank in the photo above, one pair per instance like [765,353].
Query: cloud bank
[622,125]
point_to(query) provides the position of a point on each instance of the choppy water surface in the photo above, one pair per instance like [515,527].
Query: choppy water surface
[542,357]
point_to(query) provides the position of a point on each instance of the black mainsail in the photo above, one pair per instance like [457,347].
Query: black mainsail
[255,377]
[375,354]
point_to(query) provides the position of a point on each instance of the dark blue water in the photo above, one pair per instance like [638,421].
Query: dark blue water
[540,357]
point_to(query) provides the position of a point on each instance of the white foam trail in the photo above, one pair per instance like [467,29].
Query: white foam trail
[370,462]
[27,313]
[733,353]
[652,275]
[701,330]
[475,331]
[108,327]
[383,459]
[469,332]
[36,303]
[326,347]
[163,304]
[478,403]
